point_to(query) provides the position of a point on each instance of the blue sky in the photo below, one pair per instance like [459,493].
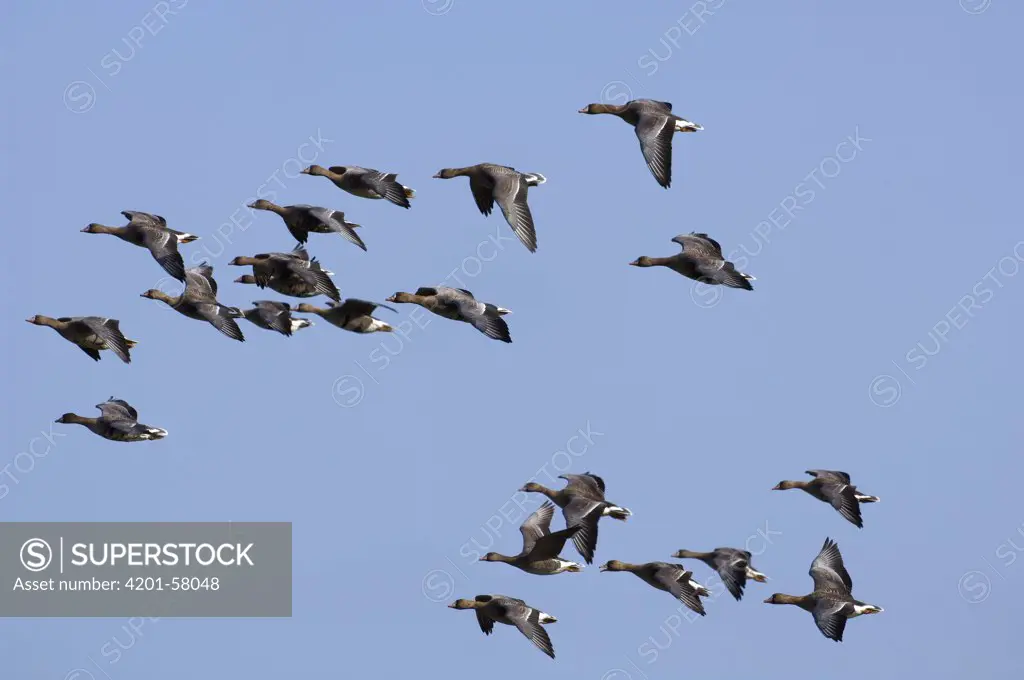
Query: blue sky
[882,337]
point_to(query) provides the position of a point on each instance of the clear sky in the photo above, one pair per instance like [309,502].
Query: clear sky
[883,336]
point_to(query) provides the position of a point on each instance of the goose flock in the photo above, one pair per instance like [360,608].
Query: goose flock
[297,274]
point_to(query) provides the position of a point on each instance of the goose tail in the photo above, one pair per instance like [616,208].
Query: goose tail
[683,125]
[735,279]
[615,512]
[534,178]
[864,498]
[409,192]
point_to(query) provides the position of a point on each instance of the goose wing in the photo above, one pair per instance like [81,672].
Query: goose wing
[117,409]
[510,192]
[828,570]
[109,331]
[655,134]
[163,245]
[536,525]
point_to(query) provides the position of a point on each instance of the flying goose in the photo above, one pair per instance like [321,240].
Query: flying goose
[540,546]
[150,231]
[701,259]
[118,422]
[351,315]
[459,304]
[303,220]
[654,124]
[275,316]
[732,565]
[583,504]
[831,603]
[365,182]
[507,186]
[833,487]
[510,611]
[199,301]
[90,333]
[291,273]
[672,578]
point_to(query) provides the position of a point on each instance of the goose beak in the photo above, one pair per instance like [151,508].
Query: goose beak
[390,299]
[767,600]
[583,110]
[437,175]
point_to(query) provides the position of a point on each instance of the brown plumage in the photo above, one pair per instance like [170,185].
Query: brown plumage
[831,603]
[833,487]
[489,183]
[655,124]
[90,333]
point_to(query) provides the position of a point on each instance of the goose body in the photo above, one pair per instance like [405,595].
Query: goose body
[583,503]
[351,315]
[199,301]
[491,183]
[458,304]
[365,182]
[118,422]
[150,232]
[831,603]
[90,333]
[655,125]
[294,274]
[491,609]
[732,566]
[274,316]
[835,488]
[540,546]
[671,578]
[303,220]
[701,259]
